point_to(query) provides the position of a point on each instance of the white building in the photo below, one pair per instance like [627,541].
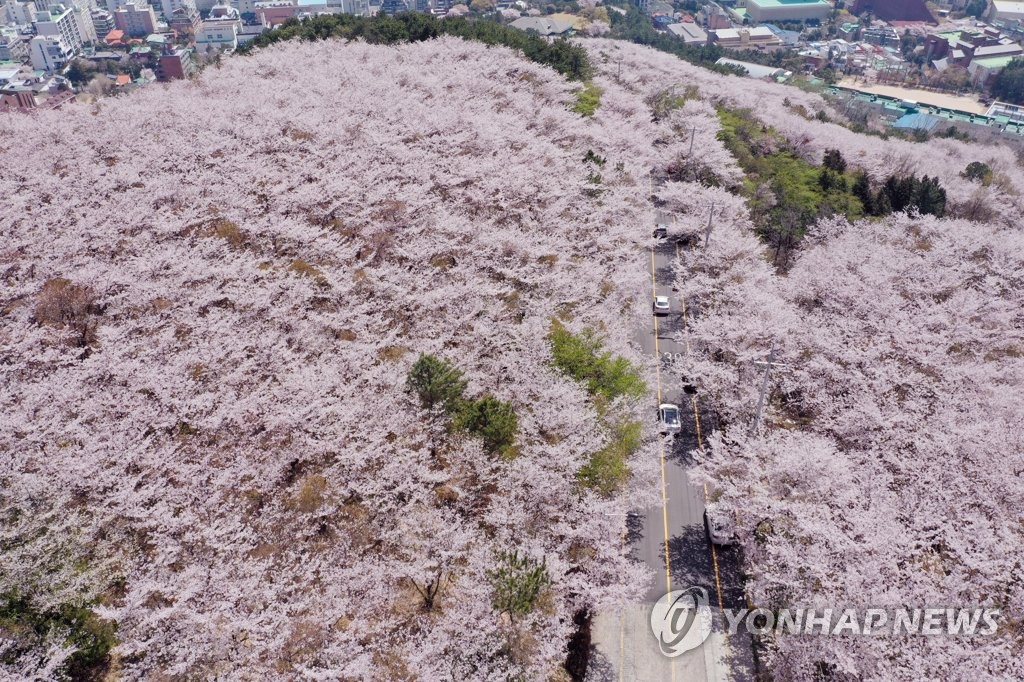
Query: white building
[220,31]
[168,7]
[83,15]
[1006,10]
[13,47]
[21,13]
[49,53]
[689,33]
[761,11]
[63,24]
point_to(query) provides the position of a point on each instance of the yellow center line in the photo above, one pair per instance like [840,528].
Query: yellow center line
[661,453]
[661,450]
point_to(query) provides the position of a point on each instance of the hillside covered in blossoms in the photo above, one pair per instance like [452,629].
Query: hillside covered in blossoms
[328,371]
[210,312]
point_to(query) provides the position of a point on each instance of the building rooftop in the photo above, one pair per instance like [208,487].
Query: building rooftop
[787,3]
[542,25]
[688,32]
[734,33]
[995,62]
[993,50]
[916,122]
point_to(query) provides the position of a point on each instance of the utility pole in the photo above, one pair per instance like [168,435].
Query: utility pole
[707,230]
[756,426]
[689,157]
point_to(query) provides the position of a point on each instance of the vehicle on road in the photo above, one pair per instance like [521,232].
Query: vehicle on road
[661,305]
[661,231]
[668,418]
[720,525]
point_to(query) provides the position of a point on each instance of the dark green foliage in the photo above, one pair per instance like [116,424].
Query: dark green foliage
[899,191]
[1008,85]
[493,421]
[517,581]
[975,8]
[978,171]
[834,161]
[27,629]
[952,132]
[862,190]
[596,159]
[901,194]
[607,470]
[436,383]
[929,197]
[581,357]
[830,180]
[561,55]
[80,72]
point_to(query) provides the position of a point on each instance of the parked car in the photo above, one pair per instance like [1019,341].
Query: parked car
[661,231]
[661,305]
[668,418]
[720,524]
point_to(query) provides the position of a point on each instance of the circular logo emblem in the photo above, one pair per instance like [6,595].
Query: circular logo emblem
[681,620]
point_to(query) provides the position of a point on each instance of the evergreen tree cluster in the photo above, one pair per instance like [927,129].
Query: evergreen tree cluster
[568,59]
[1008,85]
[439,384]
[901,193]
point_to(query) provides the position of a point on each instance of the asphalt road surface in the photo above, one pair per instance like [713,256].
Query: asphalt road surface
[671,538]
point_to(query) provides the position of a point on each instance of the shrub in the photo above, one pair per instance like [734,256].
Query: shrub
[834,161]
[976,170]
[517,582]
[587,100]
[67,306]
[63,304]
[436,383]
[27,628]
[493,421]
[580,356]
[607,470]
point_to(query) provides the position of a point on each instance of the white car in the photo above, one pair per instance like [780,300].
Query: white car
[660,231]
[669,418]
[661,305]
[720,524]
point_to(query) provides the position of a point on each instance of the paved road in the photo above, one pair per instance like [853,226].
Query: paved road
[671,538]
